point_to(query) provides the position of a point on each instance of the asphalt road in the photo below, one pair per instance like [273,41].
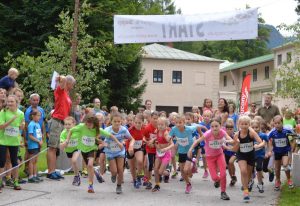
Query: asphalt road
[62,192]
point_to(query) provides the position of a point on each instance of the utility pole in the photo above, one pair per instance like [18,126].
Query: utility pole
[74,37]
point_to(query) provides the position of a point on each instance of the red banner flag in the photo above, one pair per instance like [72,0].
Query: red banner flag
[245,94]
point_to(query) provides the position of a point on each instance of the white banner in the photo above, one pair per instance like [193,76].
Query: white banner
[240,24]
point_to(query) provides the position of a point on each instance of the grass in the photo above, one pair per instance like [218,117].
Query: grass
[289,197]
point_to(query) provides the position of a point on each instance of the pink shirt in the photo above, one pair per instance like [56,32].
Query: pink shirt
[213,145]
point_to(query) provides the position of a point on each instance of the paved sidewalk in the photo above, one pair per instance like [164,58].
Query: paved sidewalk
[58,193]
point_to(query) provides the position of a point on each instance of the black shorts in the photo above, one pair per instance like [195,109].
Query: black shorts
[87,155]
[70,154]
[134,151]
[34,151]
[99,152]
[249,158]
[151,161]
[227,158]
[278,156]
[202,150]
[182,158]
[259,163]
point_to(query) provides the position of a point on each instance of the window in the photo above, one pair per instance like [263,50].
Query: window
[254,75]
[244,74]
[279,59]
[288,57]
[225,81]
[177,77]
[279,86]
[267,72]
[157,76]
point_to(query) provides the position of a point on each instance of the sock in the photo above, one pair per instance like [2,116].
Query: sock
[90,183]
[246,191]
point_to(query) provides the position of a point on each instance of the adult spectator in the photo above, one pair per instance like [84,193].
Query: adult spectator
[253,110]
[268,111]
[222,111]
[148,105]
[97,106]
[62,109]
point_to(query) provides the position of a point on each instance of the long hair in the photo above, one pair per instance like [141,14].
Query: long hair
[91,118]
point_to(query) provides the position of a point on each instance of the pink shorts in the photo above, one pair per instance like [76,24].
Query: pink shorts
[164,158]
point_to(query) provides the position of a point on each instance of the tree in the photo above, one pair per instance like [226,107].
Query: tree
[89,68]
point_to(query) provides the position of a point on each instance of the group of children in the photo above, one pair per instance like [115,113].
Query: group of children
[154,142]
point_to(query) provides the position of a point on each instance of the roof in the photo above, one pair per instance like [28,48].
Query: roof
[157,51]
[286,45]
[249,62]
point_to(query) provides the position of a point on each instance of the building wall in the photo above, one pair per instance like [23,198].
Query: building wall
[200,80]
[258,87]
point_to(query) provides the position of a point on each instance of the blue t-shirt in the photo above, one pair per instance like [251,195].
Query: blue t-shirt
[112,150]
[35,130]
[235,118]
[202,144]
[6,82]
[184,139]
[262,151]
[27,116]
[281,142]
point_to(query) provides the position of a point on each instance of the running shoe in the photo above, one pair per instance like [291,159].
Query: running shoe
[290,183]
[22,181]
[59,175]
[53,176]
[17,185]
[277,185]
[250,185]
[246,197]
[205,175]
[271,176]
[233,181]
[139,181]
[98,176]
[260,188]
[136,184]
[217,184]
[37,178]
[76,181]
[113,179]
[156,188]
[91,189]
[32,180]
[188,188]
[119,189]
[181,179]
[174,175]
[224,196]
[149,186]
[166,179]
[9,182]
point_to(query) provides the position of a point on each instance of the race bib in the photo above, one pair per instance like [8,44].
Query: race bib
[280,142]
[137,144]
[159,153]
[73,143]
[12,131]
[183,141]
[246,147]
[39,134]
[114,147]
[88,141]
[215,144]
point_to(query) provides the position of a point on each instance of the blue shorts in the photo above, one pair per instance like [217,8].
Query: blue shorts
[115,157]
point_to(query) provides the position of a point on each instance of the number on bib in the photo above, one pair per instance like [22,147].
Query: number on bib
[280,142]
[114,147]
[246,147]
[12,131]
[215,144]
[39,134]
[159,153]
[137,144]
[73,143]
[183,141]
[88,141]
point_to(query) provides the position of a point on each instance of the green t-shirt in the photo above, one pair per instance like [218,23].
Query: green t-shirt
[11,135]
[289,123]
[87,137]
[73,143]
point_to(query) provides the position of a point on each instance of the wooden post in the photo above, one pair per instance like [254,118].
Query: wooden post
[74,37]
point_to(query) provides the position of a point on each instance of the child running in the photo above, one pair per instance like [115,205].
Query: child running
[279,144]
[246,153]
[88,134]
[184,137]
[71,148]
[136,160]
[114,150]
[214,140]
[163,150]
[259,155]
[35,142]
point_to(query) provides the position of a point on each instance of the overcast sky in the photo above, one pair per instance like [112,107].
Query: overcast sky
[274,12]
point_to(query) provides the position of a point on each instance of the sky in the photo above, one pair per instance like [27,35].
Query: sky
[274,12]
